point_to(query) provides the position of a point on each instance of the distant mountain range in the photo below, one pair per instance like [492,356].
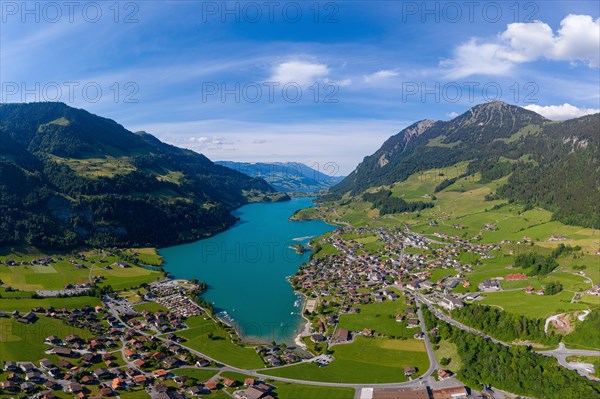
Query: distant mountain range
[68,178]
[550,164]
[292,177]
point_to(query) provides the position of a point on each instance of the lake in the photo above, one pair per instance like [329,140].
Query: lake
[245,268]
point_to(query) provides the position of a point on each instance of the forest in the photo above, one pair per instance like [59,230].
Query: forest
[504,326]
[515,369]
[386,203]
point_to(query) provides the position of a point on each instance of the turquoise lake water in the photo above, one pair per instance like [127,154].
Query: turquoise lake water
[246,267]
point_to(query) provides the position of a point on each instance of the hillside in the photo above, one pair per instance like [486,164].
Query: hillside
[286,176]
[69,178]
[548,164]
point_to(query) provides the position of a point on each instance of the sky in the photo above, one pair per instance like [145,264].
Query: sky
[315,82]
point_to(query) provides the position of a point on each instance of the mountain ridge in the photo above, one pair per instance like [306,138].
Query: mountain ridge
[496,138]
[287,176]
[73,178]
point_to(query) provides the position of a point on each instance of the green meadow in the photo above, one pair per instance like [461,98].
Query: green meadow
[367,360]
[379,317]
[23,342]
[207,337]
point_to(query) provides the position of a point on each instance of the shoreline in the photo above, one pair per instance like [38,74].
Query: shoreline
[305,326]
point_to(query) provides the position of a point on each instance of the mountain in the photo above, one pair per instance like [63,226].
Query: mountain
[68,178]
[549,164]
[288,176]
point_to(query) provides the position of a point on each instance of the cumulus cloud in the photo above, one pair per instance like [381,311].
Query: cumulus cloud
[561,112]
[301,72]
[577,41]
[380,75]
[452,115]
[202,143]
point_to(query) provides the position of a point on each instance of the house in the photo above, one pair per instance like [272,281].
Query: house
[160,373]
[273,360]
[9,386]
[251,393]
[408,371]
[449,302]
[202,362]
[65,364]
[405,393]
[106,391]
[211,385]
[62,351]
[489,285]
[35,377]
[529,290]
[28,318]
[89,380]
[27,386]
[102,373]
[74,387]
[46,364]
[317,338]
[443,374]
[412,323]
[450,393]
[10,366]
[140,379]
[196,390]
[340,335]
[249,382]
[228,382]
[52,340]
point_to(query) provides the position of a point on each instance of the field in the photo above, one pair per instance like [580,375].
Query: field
[219,346]
[22,342]
[448,350]
[199,374]
[367,360]
[150,307]
[56,275]
[25,305]
[533,306]
[379,317]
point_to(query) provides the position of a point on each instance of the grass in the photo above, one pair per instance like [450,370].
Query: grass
[448,349]
[533,306]
[199,374]
[22,342]
[136,393]
[150,307]
[219,347]
[367,360]
[96,167]
[56,275]
[25,305]
[380,317]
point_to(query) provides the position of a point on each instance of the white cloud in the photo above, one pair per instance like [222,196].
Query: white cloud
[380,75]
[300,72]
[577,41]
[452,115]
[561,112]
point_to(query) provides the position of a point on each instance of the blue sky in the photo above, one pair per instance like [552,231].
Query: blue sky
[314,82]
